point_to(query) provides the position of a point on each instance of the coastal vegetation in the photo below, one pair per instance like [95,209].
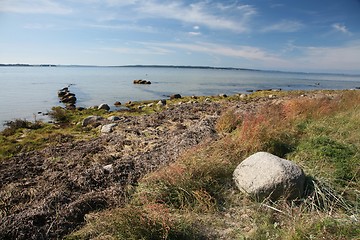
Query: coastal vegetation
[194,197]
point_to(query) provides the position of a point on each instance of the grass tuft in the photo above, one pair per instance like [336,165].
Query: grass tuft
[149,221]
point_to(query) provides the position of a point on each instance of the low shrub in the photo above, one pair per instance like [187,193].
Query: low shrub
[60,115]
[13,126]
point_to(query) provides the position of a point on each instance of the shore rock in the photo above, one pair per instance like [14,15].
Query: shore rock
[67,98]
[104,106]
[175,96]
[108,128]
[93,120]
[113,118]
[263,175]
[117,103]
[161,102]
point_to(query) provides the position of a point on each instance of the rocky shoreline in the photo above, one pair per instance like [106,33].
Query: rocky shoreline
[47,193]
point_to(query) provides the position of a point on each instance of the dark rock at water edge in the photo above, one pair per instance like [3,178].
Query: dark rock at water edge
[175,96]
[162,102]
[141,81]
[104,106]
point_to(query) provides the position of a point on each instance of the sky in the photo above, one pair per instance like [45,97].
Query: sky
[291,35]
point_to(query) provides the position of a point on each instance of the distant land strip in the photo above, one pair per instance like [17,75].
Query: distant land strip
[142,66]
[166,66]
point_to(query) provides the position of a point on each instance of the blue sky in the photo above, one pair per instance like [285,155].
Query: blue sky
[292,35]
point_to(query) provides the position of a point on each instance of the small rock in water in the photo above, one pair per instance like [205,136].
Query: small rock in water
[117,103]
[141,81]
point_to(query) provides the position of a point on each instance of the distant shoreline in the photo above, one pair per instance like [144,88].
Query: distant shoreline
[170,66]
[121,66]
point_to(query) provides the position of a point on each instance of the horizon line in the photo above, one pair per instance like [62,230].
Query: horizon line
[170,66]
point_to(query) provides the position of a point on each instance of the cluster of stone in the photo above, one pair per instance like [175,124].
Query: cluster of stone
[67,97]
[141,81]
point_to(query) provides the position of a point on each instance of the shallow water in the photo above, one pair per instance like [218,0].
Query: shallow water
[25,91]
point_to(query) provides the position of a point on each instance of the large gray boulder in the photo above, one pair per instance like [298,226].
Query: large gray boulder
[263,175]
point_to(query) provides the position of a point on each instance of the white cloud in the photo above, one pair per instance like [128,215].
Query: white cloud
[284,26]
[200,13]
[131,27]
[140,50]
[341,28]
[346,57]
[194,33]
[247,52]
[33,7]
[336,59]
[120,2]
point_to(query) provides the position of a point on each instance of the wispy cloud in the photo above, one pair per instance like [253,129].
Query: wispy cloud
[33,7]
[200,13]
[338,27]
[284,26]
[345,57]
[139,50]
[131,27]
[194,33]
[38,26]
[218,16]
[247,52]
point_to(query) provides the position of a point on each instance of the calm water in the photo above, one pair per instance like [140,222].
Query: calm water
[25,91]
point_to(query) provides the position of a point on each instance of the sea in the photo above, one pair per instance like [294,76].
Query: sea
[29,92]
